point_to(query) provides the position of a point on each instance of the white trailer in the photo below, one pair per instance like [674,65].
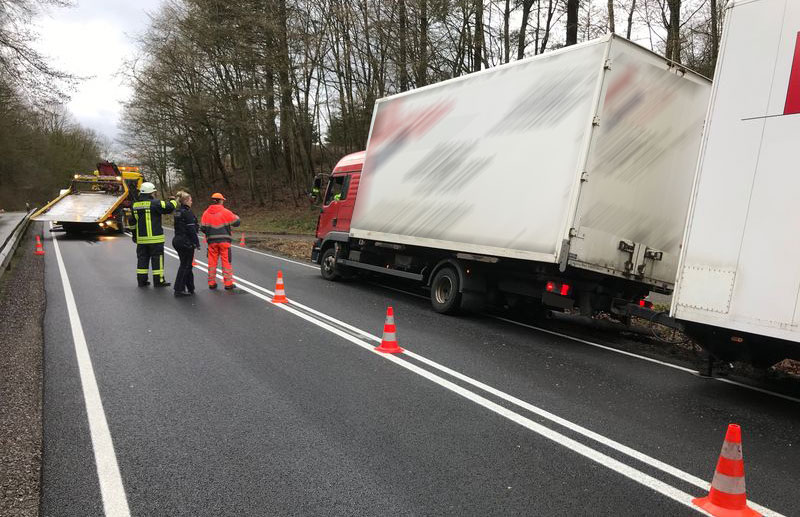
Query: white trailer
[578,162]
[738,286]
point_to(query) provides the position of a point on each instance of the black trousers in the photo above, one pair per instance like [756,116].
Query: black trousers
[147,255]
[185,279]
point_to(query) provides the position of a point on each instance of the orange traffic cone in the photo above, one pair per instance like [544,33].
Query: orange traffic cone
[389,342]
[727,497]
[280,294]
[241,241]
[39,248]
[194,262]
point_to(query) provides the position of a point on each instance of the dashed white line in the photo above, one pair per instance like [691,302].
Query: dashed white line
[593,454]
[115,502]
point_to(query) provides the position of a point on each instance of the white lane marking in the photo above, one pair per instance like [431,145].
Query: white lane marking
[760,390]
[597,345]
[115,503]
[566,336]
[276,257]
[628,451]
[612,349]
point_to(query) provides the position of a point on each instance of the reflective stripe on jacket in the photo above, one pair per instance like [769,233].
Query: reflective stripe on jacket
[216,223]
[147,219]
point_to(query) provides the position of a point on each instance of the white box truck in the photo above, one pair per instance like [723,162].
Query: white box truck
[563,179]
[738,285]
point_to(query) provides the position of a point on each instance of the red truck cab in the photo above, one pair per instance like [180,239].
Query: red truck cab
[338,203]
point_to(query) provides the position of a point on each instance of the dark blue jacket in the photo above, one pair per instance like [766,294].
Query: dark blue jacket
[185,229]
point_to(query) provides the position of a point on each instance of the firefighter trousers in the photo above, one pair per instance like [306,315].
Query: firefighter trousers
[220,251]
[148,255]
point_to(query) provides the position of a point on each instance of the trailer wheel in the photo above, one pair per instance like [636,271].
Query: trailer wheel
[445,291]
[327,265]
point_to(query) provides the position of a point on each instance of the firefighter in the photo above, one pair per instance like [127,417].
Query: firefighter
[149,234]
[216,224]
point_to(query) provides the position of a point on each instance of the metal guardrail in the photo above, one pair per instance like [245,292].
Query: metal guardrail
[10,245]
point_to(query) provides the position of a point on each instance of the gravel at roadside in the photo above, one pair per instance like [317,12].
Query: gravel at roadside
[22,304]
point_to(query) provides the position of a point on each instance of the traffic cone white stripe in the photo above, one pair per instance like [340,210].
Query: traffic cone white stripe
[728,484]
[731,451]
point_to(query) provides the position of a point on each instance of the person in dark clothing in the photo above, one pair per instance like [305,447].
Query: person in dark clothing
[149,234]
[185,242]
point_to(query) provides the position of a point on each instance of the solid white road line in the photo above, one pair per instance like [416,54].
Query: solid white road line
[597,345]
[115,503]
[275,257]
[582,449]
[615,350]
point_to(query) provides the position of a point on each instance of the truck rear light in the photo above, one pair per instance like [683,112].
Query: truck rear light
[555,287]
[645,304]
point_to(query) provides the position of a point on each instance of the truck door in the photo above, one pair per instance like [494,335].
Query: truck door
[348,201]
[335,195]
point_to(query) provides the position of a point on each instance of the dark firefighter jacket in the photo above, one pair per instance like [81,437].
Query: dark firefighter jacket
[147,218]
[216,223]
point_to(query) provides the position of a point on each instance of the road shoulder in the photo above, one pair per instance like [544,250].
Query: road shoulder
[22,305]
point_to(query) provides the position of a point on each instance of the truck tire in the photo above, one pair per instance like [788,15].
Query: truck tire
[445,295]
[327,265]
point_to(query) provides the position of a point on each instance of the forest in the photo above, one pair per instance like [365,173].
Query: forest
[258,96]
[40,142]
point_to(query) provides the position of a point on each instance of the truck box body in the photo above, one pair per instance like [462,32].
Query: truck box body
[740,265]
[582,157]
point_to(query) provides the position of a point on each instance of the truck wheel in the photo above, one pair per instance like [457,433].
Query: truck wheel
[445,295]
[327,265]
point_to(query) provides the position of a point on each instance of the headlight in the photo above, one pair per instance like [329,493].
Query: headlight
[102,224]
[76,176]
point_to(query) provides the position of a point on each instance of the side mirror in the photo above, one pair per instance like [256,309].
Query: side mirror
[315,188]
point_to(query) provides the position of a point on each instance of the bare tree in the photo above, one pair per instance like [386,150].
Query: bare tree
[572,21]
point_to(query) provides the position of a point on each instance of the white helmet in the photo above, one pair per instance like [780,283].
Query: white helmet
[147,188]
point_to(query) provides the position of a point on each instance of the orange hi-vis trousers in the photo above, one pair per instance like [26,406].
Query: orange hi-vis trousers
[220,251]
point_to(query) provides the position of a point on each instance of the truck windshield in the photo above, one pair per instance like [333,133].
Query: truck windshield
[337,189]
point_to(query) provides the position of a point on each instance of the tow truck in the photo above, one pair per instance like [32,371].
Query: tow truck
[95,202]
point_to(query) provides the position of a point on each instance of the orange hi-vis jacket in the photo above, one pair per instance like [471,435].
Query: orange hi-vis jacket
[216,223]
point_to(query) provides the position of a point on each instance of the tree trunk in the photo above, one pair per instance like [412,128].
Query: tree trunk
[674,31]
[506,39]
[548,23]
[477,43]
[572,22]
[422,62]
[611,27]
[523,27]
[402,61]
[630,19]
[714,32]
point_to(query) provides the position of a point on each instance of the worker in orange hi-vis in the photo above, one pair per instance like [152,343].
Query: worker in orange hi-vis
[216,224]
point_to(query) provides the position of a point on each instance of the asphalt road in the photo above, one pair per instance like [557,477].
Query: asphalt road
[225,404]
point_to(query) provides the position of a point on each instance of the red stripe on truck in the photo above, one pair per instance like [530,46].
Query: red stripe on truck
[793,96]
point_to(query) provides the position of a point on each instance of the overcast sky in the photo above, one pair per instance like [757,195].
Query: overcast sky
[93,39]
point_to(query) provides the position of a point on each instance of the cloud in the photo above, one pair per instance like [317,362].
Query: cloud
[93,40]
